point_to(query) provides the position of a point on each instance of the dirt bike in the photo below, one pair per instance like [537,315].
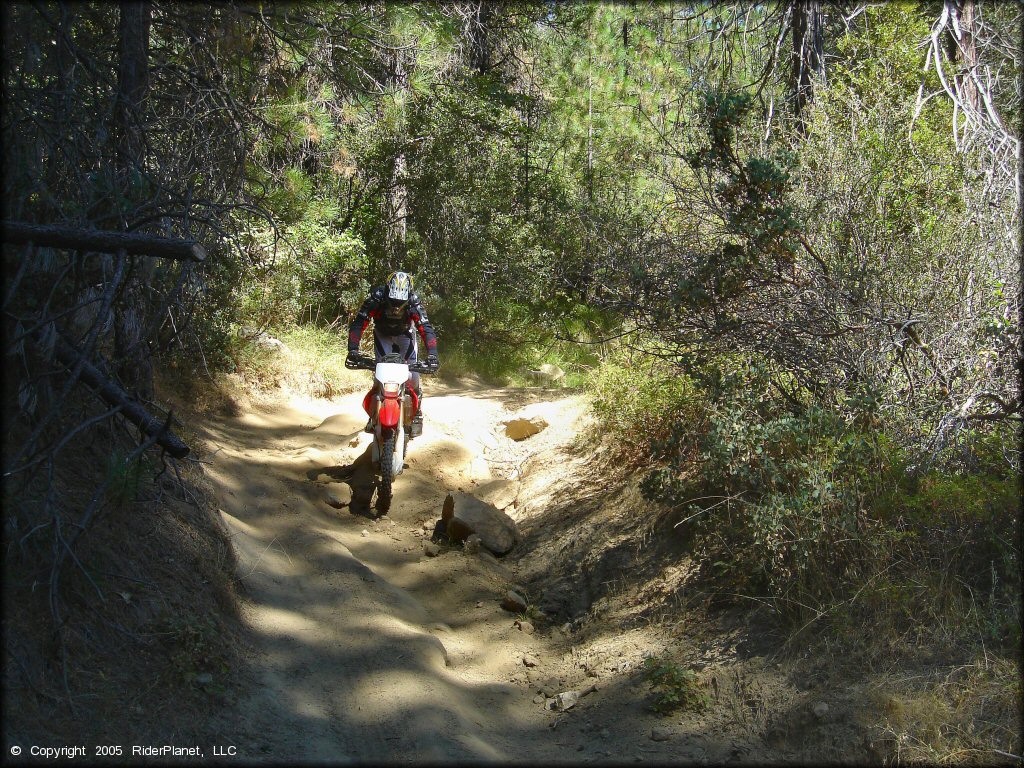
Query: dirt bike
[391,405]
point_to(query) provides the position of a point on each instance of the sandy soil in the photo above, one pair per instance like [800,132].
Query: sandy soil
[367,649]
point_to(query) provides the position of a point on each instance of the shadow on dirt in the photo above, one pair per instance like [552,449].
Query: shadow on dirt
[360,478]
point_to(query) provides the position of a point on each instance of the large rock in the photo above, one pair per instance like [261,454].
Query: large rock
[546,374]
[514,602]
[520,429]
[566,700]
[465,515]
[499,493]
[552,372]
[339,497]
[266,341]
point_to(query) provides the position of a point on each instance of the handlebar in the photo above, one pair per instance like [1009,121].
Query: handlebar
[361,362]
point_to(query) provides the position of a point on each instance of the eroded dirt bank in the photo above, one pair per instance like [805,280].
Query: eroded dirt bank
[367,649]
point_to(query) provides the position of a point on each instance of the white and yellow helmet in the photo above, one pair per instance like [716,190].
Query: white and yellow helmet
[399,288]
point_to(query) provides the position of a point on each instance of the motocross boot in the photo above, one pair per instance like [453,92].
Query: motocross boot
[416,426]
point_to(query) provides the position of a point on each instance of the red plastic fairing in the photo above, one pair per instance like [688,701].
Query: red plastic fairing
[415,399]
[368,402]
[389,412]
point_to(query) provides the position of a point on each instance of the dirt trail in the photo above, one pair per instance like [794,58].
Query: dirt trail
[367,649]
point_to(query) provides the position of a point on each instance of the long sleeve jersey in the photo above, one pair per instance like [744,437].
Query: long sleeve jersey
[375,308]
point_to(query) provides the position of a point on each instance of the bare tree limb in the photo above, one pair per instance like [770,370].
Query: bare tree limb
[78,239]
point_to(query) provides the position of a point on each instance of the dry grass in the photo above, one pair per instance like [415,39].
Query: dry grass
[940,668]
[967,715]
[311,363]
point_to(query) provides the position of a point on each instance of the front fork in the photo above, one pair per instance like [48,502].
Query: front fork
[391,410]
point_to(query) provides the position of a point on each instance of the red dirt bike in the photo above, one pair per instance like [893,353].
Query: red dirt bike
[391,404]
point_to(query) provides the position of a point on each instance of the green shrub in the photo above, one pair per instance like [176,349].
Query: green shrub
[644,402]
[775,499]
[328,265]
[674,686]
[965,526]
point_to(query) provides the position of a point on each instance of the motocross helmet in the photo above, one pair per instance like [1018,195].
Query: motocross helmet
[399,288]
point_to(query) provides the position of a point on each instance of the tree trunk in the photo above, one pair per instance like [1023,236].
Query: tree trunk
[133,79]
[480,33]
[397,200]
[78,239]
[963,50]
[588,268]
[808,55]
[134,364]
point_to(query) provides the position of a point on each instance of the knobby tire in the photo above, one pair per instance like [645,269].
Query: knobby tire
[387,453]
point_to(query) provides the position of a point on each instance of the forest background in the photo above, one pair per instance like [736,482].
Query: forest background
[779,243]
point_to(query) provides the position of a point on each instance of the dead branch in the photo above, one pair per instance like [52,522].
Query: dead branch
[77,239]
[114,395]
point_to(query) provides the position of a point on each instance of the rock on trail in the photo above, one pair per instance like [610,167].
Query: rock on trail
[522,428]
[467,515]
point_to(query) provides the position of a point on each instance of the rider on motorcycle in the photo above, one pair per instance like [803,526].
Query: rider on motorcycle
[397,314]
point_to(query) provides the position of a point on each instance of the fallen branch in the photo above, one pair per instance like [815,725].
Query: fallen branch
[73,238]
[114,395]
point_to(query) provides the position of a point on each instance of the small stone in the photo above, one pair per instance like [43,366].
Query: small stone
[530,661]
[660,733]
[566,700]
[820,710]
[549,687]
[337,499]
[203,678]
[479,603]
[604,733]
[538,699]
[364,533]
[514,602]
[354,442]
[472,544]
[525,626]
[430,549]
[428,525]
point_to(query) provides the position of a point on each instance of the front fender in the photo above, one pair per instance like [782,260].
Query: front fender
[390,413]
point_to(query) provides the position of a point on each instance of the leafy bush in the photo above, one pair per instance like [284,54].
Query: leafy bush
[642,401]
[774,496]
[328,265]
[809,507]
[675,686]
[965,526]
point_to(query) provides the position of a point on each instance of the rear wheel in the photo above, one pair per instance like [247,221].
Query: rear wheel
[387,454]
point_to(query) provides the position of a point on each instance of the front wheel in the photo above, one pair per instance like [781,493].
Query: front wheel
[387,453]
